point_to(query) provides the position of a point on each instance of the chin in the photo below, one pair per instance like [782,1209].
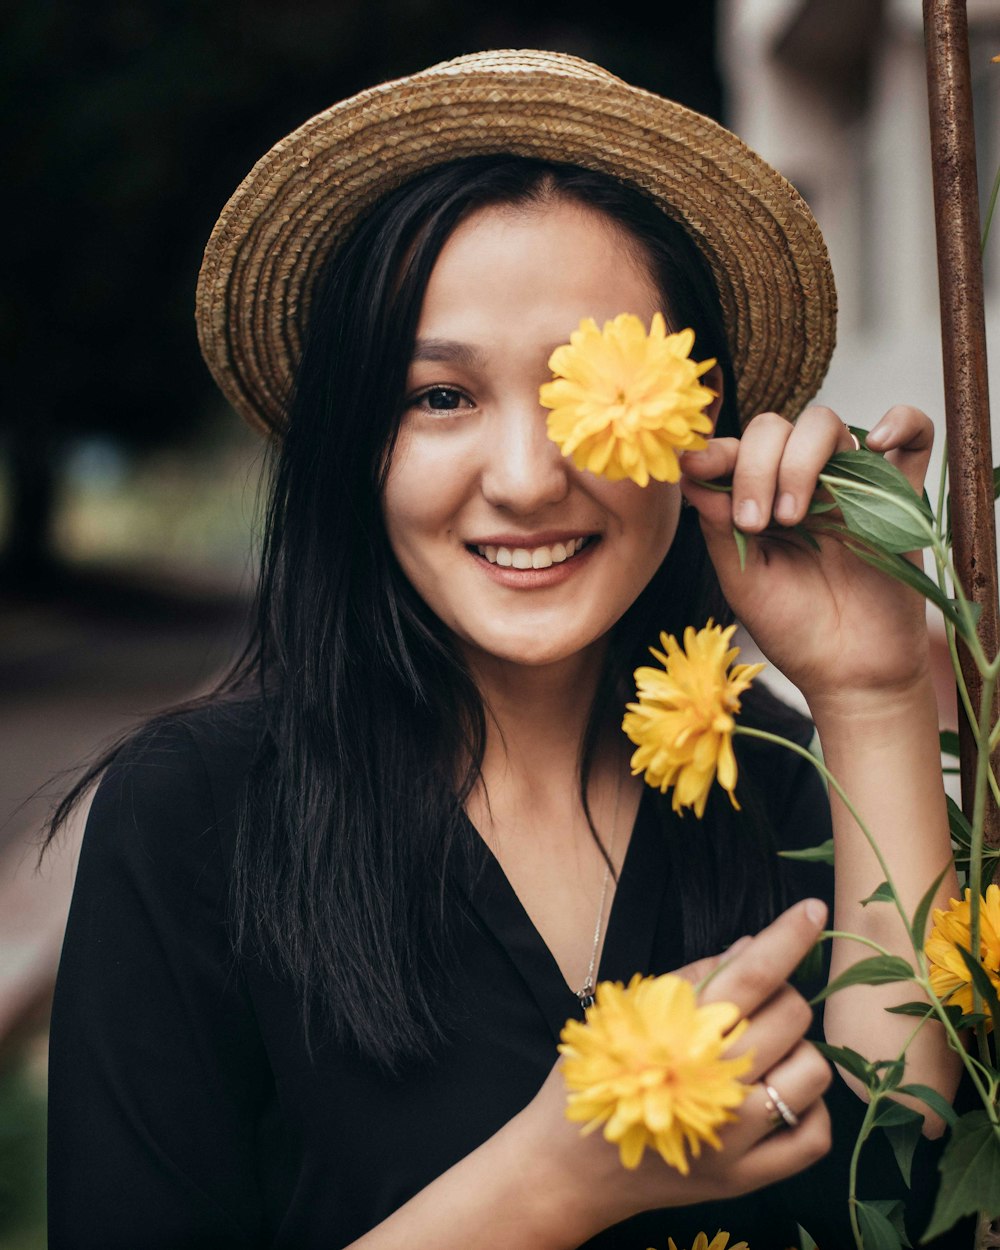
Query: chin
[534,652]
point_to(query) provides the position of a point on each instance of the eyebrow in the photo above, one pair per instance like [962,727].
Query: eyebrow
[449,351]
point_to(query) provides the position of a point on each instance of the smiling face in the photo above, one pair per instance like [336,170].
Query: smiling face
[523,557]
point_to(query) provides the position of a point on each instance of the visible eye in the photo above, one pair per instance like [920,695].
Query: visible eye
[441,399]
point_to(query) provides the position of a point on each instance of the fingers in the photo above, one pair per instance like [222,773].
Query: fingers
[799,1080]
[701,968]
[773,1145]
[905,435]
[775,475]
[775,465]
[776,1029]
[786,1152]
[760,968]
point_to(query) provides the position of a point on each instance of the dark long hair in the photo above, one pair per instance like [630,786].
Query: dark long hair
[352,836]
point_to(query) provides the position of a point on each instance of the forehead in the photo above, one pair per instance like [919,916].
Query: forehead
[537,267]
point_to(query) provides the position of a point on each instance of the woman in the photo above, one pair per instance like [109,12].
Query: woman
[329,925]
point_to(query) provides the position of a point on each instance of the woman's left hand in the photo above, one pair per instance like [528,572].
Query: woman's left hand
[829,621]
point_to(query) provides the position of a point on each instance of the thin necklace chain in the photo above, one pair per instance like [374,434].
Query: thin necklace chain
[586,993]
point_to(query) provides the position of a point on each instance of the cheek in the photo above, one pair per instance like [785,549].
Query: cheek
[648,516]
[423,493]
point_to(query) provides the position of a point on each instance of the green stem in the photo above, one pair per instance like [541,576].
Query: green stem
[920,980]
[967,1060]
[852,1186]
[838,789]
[989,212]
[941,564]
[976,846]
[855,937]
[970,635]
[942,495]
[876,492]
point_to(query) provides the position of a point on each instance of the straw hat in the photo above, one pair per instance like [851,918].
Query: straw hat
[305,194]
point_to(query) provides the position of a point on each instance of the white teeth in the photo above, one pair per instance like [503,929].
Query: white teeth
[531,558]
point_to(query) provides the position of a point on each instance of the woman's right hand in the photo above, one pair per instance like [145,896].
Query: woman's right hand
[585,1183]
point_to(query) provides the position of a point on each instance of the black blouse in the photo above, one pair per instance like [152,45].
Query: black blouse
[185,1110]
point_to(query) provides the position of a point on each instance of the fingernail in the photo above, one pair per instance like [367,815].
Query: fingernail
[816,910]
[747,514]
[880,432]
[785,510]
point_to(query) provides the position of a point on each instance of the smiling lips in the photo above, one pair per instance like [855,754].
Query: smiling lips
[541,557]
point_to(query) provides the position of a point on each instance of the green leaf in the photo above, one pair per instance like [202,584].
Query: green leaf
[849,1060]
[911,1009]
[970,1021]
[877,970]
[902,1126]
[874,470]
[976,610]
[982,982]
[903,571]
[894,1211]
[919,924]
[890,1073]
[960,828]
[970,1174]
[810,967]
[935,1101]
[741,547]
[883,893]
[820,854]
[880,521]
[861,435]
[949,742]
[877,1232]
[801,531]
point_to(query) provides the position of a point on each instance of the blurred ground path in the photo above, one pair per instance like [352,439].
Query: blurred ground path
[76,669]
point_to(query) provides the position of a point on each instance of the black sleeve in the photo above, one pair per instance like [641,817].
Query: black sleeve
[158,1079]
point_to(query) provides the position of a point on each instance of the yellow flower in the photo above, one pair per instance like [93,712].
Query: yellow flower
[683,722]
[623,404]
[719,1242]
[951,930]
[647,1065]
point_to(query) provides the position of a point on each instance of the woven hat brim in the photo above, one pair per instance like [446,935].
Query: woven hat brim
[304,196]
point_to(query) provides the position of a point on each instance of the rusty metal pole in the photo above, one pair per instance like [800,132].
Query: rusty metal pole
[963,340]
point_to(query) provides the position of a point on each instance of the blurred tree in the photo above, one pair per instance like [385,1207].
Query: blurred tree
[134,120]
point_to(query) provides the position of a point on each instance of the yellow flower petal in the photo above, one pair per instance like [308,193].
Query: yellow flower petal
[719,1242]
[950,931]
[683,721]
[648,1065]
[623,403]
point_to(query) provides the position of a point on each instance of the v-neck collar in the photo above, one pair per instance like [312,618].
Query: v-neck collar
[631,929]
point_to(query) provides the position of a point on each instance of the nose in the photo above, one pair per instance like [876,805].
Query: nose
[523,470]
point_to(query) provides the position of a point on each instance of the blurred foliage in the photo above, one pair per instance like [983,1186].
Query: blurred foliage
[22,1155]
[135,120]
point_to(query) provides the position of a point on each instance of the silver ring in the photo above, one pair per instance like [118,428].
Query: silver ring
[853,436]
[779,1110]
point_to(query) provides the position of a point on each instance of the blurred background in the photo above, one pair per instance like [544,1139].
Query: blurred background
[128,491]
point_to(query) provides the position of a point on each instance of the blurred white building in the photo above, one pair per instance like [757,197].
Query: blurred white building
[834,94]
